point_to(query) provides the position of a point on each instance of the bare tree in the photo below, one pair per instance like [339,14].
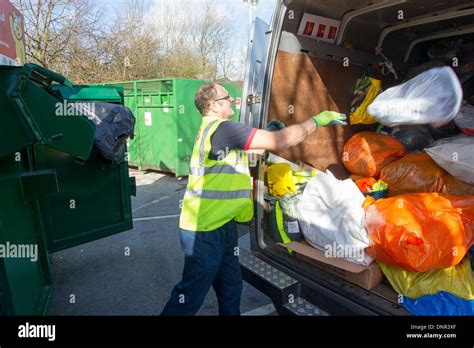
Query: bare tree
[52,25]
[174,38]
[200,39]
[231,64]
[212,34]
[136,54]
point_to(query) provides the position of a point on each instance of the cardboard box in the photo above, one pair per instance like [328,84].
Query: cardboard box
[366,277]
[12,35]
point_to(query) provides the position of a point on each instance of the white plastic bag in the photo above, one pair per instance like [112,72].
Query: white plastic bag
[433,97]
[332,219]
[455,155]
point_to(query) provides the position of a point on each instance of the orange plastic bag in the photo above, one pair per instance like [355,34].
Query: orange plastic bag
[420,232]
[366,153]
[365,184]
[453,186]
[419,173]
[416,172]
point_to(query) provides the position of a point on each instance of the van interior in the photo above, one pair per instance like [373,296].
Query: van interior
[310,75]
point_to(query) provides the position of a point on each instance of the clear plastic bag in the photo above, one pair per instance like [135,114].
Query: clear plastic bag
[455,156]
[289,209]
[433,97]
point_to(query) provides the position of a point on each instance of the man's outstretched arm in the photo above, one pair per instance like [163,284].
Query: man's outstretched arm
[293,135]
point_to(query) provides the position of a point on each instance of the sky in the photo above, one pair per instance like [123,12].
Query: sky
[240,12]
[240,16]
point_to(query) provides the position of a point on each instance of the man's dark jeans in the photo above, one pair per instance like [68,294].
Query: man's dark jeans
[211,258]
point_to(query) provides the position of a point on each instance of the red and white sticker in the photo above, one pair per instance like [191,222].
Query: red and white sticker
[321,28]
[148,119]
[238,101]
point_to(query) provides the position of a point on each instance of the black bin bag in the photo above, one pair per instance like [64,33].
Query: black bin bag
[414,138]
[114,124]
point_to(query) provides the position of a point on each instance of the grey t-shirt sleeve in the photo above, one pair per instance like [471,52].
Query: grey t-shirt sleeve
[232,136]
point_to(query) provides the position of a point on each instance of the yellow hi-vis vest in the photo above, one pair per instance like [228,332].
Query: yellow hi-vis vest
[218,191]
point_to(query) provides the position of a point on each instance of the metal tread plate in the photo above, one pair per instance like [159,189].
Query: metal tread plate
[302,307]
[261,268]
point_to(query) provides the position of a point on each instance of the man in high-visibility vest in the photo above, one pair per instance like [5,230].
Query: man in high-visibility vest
[219,194]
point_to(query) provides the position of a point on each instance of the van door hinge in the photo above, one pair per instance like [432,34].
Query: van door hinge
[254,99]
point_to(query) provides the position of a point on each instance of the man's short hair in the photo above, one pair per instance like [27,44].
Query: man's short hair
[204,96]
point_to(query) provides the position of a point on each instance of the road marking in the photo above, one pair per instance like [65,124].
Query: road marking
[264,310]
[152,202]
[159,217]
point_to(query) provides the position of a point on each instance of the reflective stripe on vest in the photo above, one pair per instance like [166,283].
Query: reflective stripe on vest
[218,169]
[214,194]
[240,168]
[281,226]
[202,147]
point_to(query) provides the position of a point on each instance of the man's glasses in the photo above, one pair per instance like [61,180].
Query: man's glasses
[228,97]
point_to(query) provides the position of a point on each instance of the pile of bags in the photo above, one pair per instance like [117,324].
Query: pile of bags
[439,292]
[422,232]
[318,207]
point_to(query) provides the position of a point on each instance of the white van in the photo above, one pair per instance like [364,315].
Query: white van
[291,76]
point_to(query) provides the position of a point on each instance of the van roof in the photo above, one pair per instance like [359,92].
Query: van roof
[391,24]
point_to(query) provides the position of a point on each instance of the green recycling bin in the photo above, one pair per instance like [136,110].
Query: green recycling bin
[57,190]
[25,275]
[167,122]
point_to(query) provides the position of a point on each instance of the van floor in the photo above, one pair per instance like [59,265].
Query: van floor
[384,289]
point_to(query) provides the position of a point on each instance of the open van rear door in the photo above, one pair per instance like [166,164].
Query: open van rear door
[255,69]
